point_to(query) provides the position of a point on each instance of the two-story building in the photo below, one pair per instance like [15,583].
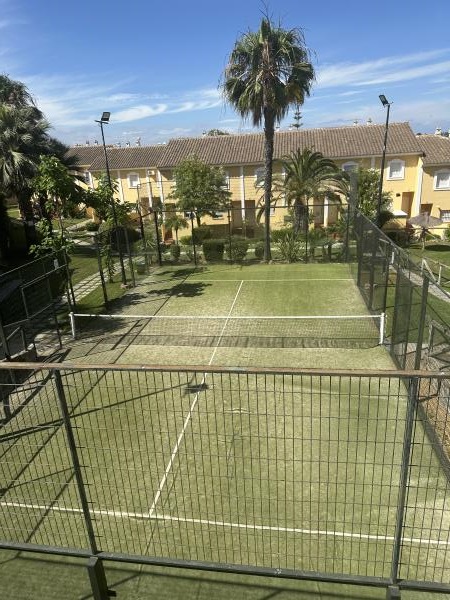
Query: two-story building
[417,168]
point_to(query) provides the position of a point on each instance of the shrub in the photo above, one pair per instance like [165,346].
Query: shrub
[237,249]
[291,247]
[278,235]
[446,235]
[259,250]
[91,226]
[175,252]
[199,234]
[186,240]
[213,250]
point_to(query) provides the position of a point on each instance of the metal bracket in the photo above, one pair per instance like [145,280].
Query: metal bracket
[393,593]
[100,590]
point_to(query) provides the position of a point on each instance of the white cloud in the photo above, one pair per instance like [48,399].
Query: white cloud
[135,113]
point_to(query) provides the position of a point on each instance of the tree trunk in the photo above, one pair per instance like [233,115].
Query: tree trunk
[26,210]
[269,129]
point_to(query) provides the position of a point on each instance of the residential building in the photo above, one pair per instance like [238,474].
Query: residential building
[417,168]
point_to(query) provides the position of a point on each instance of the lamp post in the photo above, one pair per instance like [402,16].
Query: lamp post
[385,103]
[105,119]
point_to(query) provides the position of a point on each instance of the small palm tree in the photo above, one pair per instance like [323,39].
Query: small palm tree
[176,222]
[268,71]
[309,175]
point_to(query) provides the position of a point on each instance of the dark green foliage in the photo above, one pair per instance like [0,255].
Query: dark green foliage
[199,234]
[259,250]
[213,250]
[291,247]
[186,240]
[279,235]
[175,251]
[92,226]
[237,249]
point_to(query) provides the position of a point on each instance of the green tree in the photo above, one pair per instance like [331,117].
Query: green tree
[57,190]
[215,132]
[309,175]
[175,221]
[23,139]
[368,182]
[199,188]
[268,71]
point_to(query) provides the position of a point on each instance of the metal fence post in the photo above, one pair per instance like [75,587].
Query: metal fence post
[95,567]
[100,270]
[421,329]
[158,240]
[404,479]
[193,241]
[130,258]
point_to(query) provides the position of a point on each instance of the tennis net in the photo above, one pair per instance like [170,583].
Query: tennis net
[324,331]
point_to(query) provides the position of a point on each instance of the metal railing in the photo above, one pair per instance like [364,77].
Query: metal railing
[302,474]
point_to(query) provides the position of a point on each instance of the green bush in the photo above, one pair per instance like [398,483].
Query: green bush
[291,247]
[237,249]
[175,252]
[199,234]
[186,240]
[278,235]
[91,226]
[259,250]
[213,250]
[446,235]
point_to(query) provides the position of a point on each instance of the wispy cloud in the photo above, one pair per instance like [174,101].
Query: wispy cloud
[387,69]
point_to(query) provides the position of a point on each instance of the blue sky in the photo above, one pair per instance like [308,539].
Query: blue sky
[156,66]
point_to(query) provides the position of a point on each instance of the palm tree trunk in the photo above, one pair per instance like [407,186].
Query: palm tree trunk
[269,130]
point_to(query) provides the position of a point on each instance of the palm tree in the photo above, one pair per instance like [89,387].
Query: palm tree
[23,139]
[176,222]
[309,175]
[267,72]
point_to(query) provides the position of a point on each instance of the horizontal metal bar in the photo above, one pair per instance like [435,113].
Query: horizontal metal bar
[70,366]
[228,318]
[41,549]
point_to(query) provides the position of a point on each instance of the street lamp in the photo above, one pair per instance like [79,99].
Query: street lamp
[105,119]
[385,103]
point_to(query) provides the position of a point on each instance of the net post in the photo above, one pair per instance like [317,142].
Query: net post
[382,327]
[72,325]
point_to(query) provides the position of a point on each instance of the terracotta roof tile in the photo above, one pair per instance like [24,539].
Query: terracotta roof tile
[134,157]
[93,158]
[436,149]
[335,142]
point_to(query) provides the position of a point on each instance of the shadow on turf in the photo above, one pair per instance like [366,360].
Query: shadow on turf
[175,586]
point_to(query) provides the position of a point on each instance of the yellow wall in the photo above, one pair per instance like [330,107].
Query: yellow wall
[440,199]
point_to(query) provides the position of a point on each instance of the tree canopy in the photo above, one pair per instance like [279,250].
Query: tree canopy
[199,188]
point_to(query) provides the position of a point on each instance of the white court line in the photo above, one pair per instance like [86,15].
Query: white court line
[206,279]
[162,483]
[155,517]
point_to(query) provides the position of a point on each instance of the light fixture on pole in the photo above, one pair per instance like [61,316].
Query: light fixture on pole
[105,119]
[387,104]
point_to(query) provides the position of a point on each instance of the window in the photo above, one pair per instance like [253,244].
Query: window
[445,216]
[350,166]
[259,176]
[396,169]
[227,180]
[86,177]
[133,180]
[442,180]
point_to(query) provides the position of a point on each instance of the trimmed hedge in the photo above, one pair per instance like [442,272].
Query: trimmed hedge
[237,249]
[213,249]
[259,250]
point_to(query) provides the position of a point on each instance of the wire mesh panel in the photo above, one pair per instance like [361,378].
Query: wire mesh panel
[39,499]
[312,472]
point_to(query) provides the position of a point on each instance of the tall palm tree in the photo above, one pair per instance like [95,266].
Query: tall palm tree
[23,138]
[267,72]
[309,175]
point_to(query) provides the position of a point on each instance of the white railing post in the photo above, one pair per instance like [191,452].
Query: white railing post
[72,324]
[382,327]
